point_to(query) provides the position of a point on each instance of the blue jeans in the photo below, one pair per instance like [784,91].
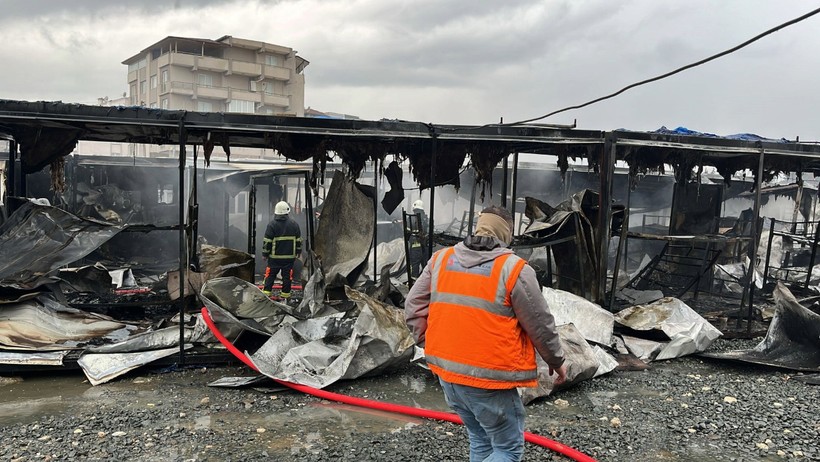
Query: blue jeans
[494,421]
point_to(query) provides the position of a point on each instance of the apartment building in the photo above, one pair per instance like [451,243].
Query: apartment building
[228,74]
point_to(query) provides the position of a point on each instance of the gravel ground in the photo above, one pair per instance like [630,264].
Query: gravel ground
[688,409]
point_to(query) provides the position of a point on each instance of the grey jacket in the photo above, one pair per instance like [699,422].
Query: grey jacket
[528,303]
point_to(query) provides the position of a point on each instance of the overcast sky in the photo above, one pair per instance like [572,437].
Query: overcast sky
[458,61]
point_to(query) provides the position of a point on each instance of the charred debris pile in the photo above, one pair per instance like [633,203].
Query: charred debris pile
[639,265]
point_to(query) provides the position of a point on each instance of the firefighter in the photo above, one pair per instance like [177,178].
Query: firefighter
[416,241]
[281,245]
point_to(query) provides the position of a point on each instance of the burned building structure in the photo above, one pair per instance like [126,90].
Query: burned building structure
[581,235]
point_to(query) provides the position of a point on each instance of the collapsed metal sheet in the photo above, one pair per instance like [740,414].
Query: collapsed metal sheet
[593,322]
[238,302]
[43,324]
[389,254]
[687,332]
[792,341]
[581,362]
[345,230]
[37,358]
[101,368]
[320,351]
[38,239]
[161,338]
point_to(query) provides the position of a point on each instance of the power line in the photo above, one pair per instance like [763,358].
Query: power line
[671,73]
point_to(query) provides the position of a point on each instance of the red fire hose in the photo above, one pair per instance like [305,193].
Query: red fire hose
[555,446]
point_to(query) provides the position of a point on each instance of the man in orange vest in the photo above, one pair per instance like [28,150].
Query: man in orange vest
[478,312]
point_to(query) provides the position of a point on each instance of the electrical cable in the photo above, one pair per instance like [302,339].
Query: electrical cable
[543,441]
[668,74]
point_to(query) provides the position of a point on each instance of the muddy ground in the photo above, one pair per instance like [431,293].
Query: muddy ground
[688,409]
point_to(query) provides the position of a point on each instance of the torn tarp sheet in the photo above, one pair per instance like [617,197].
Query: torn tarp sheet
[687,332]
[592,321]
[36,358]
[792,341]
[37,239]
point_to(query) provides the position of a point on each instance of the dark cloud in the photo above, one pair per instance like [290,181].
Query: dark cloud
[26,10]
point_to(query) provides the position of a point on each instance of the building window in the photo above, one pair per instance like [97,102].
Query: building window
[137,65]
[165,194]
[252,84]
[204,106]
[272,60]
[134,94]
[165,75]
[143,87]
[205,80]
[239,203]
[153,82]
[239,105]
[165,103]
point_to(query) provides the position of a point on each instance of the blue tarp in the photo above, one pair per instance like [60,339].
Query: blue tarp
[740,136]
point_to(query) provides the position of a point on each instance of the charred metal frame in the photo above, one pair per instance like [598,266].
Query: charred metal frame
[154,126]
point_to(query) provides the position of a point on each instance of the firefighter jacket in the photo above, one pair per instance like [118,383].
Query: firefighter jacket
[480,316]
[283,239]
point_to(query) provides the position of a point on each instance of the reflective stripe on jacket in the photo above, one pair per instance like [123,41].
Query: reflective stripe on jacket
[473,337]
[283,239]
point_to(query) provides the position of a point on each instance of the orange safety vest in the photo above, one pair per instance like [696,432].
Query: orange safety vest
[473,337]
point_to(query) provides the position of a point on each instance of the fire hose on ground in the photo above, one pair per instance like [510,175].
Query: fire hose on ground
[552,445]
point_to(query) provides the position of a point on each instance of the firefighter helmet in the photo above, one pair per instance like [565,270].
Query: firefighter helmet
[282,208]
[418,205]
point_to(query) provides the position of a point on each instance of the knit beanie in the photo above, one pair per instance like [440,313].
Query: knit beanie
[495,222]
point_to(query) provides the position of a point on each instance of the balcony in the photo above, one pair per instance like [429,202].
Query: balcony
[246,95]
[208,63]
[243,68]
[203,91]
[276,72]
[269,99]
[180,88]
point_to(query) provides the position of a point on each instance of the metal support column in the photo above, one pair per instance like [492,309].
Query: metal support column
[514,193]
[505,171]
[11,179]
[375,222]
[748,286]
[183,246]
[622,248]
[471,215]
[431,218]
[311,216]
[606,165]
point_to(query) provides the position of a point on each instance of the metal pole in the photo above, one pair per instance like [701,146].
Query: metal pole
[431,227]
[311,216]
[748,287]
[183,247]
[11,182]
[813,253]
[772,222]
[252,218]
[375,222]
[514,193]
[606,166]
[472,206]
[505,169]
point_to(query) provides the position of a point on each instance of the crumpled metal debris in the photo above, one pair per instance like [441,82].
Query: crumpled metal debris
[43,324]
[687,332]
[593,322]
[367,338]
[581,362]
[100,368]
[792,341]
[36,240]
